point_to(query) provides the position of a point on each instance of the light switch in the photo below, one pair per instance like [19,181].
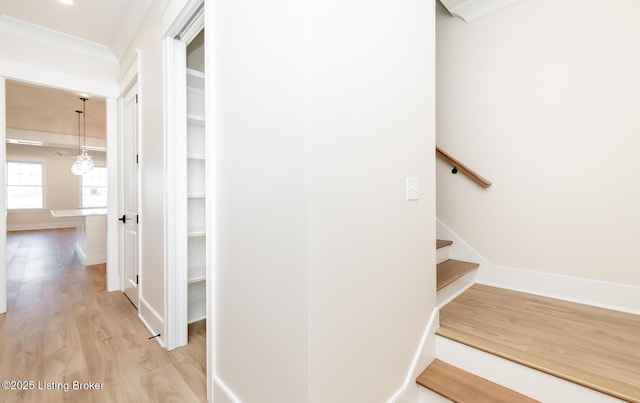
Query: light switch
[412,188]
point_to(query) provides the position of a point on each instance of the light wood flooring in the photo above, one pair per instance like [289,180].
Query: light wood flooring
[463,387]
[62,326]
[594,347]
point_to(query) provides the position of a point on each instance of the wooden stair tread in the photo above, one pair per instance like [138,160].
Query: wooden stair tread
[461,386]
[593,347]
[450,270]
[441,243]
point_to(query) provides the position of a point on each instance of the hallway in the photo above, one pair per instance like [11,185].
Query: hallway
[63,330]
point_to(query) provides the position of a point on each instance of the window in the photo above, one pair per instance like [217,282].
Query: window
[24,185]
[94,188]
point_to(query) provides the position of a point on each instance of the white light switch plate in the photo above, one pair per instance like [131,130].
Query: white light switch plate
[412,188]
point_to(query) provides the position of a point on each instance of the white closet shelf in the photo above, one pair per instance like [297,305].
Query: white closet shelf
[196,120]
[197,196]
[195,156]
[195,73]
[197,279]
[196,233]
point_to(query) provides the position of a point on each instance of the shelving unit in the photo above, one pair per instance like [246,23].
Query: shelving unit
[196,196]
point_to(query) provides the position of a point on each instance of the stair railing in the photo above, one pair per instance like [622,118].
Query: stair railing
[460,167]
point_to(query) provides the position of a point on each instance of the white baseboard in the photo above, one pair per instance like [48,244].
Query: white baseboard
[530,382]
[40,226]
[422,358]
[152,320]
[589,292]
[222,393]
[95,260]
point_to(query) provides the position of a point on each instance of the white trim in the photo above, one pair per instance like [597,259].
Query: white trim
[113,246]
[530,382]
[211,186]
[151,319]
[47,77]
[130,75]
[41,226]
[56,39]
[228,393]
[95,260]
[423,356]
[470,10]
[3,207]
[589,292]
[175,196]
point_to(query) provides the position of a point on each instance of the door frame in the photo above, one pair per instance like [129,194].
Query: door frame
[175,200]
[175,108]
[42,76]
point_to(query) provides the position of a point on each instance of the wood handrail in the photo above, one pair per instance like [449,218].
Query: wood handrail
[463,168]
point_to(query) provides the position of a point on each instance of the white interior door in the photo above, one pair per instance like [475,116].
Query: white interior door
[130,235]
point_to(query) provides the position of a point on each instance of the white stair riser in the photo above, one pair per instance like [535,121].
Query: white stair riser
[529,382]
[451,291]
[442,254]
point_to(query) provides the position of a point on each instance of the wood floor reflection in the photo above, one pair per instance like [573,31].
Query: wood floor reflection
[63,327]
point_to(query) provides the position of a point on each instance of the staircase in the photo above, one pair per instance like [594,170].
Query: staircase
[497,345]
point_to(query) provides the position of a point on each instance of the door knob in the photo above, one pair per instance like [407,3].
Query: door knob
[123,218]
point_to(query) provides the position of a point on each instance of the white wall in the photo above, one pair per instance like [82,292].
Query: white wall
[541,98]
[325,274]
[62,188]
[371,264]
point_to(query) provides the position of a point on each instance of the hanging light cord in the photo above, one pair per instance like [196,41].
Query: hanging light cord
[84,118]
[79,112]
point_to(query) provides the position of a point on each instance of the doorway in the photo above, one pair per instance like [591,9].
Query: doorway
[187,199]
[54,149]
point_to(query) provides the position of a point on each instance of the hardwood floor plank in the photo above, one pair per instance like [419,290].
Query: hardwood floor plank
[450,270]
[463,387]
[594,347]
[62,326]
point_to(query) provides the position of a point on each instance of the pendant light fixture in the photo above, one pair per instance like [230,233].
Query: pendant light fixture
[84,162]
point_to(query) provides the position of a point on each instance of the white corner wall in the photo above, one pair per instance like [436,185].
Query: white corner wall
[324,274]
[540,98]
[371,265]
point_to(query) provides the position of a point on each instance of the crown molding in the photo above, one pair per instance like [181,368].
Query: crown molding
[470,10]
[55,39]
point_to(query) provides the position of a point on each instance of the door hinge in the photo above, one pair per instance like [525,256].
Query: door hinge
[137,158]
[136,98]
[137,280]
[137,219]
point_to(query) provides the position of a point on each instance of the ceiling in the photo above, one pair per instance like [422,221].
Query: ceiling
[94,20]
[51,110]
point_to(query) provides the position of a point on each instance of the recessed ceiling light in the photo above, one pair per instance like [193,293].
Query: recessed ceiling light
[67,2]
